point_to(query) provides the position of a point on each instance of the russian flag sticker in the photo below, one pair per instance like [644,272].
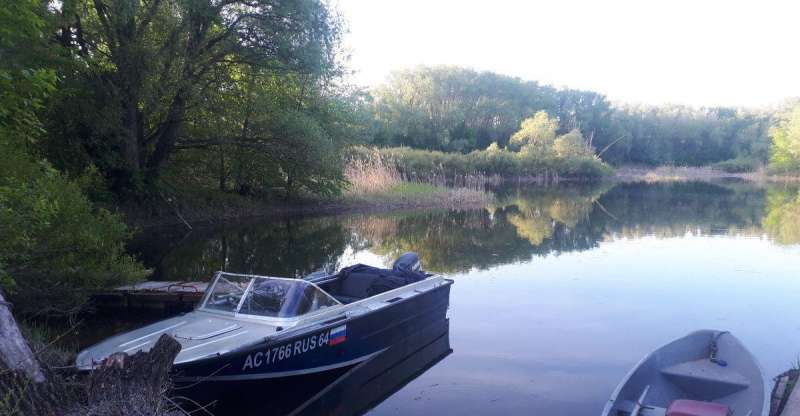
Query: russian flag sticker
[338,335]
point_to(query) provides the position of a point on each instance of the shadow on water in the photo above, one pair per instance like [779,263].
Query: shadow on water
[352,391]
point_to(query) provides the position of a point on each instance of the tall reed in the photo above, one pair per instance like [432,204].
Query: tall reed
[370,173]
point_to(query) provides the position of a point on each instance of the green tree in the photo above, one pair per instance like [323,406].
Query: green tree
[572,145]
[537,132]
[785,151]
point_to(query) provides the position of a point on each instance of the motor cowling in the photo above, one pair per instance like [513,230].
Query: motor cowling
[408,262]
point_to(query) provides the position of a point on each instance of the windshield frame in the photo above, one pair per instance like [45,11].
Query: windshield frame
[236,313]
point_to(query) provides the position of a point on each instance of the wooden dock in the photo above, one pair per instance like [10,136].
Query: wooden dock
[172,296]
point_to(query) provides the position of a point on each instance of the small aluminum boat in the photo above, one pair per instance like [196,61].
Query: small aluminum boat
[706,373]
[256,327]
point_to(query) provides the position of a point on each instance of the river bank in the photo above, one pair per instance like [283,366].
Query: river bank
[193,209]
[374,190]
[690,173]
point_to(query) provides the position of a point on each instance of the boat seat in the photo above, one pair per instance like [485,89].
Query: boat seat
[696,408]
[709,379]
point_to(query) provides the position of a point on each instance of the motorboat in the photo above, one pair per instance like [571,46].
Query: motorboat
[250,327]
[706,373]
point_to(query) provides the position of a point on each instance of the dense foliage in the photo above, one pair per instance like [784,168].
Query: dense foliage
[785,156]
[456,109]
[246,87]
[55,242]
[461,110]
[535,151]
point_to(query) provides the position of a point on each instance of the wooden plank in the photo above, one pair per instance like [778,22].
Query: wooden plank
[153,295]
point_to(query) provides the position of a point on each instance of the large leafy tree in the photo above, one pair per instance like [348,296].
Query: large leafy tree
[273,132]
[140,70]
[55,242]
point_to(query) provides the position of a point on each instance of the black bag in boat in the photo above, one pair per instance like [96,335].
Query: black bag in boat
[361,280]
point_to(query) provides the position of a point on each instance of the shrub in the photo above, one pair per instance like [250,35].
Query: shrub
[422,164]
[55,244]
[738,165]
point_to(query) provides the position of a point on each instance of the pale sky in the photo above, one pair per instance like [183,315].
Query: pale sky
[701,52]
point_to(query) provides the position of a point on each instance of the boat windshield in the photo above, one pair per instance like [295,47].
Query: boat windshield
[266,296]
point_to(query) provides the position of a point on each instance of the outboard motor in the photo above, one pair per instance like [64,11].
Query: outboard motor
[408,262]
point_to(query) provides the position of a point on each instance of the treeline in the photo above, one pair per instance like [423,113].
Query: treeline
[461,110]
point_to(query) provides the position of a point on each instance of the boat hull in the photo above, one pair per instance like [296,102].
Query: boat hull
[344,391]
[336,344]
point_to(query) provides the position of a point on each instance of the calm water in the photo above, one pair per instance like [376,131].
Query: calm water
[559,290]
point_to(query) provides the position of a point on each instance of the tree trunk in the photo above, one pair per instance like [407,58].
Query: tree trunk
[222,175]
[132,138]
[121,377]
[15,354]
[166,136]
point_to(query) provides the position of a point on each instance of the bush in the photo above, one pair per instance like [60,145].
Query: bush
[738,165]
[55,244]
[785,150]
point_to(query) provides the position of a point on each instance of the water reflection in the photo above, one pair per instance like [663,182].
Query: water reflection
[783,219]
[288,247]
[523,222]
[559,290]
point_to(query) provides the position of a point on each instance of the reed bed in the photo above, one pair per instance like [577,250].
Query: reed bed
[375,178]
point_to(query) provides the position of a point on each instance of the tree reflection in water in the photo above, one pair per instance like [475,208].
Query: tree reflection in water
[782,222]
[523,222]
